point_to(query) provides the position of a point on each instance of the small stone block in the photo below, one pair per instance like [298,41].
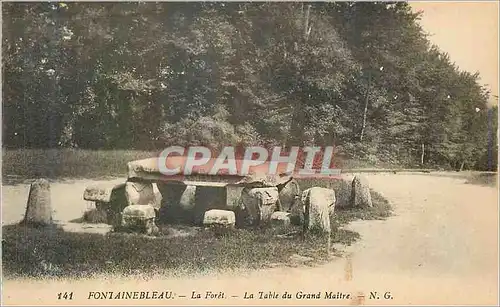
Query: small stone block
[139,216]
[280,218]
[217,217]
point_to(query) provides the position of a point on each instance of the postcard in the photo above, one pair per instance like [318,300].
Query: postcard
[249,153]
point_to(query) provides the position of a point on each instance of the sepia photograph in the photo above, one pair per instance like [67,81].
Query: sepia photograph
[249,153]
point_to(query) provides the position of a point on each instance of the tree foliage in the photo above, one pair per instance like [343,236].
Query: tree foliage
[359,76]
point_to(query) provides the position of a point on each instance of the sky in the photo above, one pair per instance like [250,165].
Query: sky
[468,32]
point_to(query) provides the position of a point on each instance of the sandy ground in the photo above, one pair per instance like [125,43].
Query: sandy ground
[440,247]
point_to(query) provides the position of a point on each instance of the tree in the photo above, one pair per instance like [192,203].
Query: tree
[360,76]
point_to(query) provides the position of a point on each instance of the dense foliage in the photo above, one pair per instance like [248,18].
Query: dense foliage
[360,76]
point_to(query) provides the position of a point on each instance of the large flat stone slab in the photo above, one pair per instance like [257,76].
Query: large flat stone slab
[149,169]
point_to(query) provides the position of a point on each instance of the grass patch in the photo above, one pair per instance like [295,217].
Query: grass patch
[381,210]
[36,252]
[21,164]
[489,179]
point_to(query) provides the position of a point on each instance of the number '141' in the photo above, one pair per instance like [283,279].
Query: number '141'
[65,296]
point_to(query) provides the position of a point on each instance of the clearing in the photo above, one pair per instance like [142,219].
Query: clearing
[440,247]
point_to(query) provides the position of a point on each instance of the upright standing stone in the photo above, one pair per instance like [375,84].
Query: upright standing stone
[280,218]
[343,189]
[158,196]
[178,202]
[39,208]
[289,194]
[233,193]
[140,193]
[258,204]
[319,204]
[360,193]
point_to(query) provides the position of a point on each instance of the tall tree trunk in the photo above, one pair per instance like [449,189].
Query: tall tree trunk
[462,166]
[490,139]
[297,125]
[423,155]
[307,28]
[367,95]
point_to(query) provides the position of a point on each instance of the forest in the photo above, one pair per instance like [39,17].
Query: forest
[362,77]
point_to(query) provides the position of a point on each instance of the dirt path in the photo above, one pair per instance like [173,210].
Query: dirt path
[66,196]
[441,247]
